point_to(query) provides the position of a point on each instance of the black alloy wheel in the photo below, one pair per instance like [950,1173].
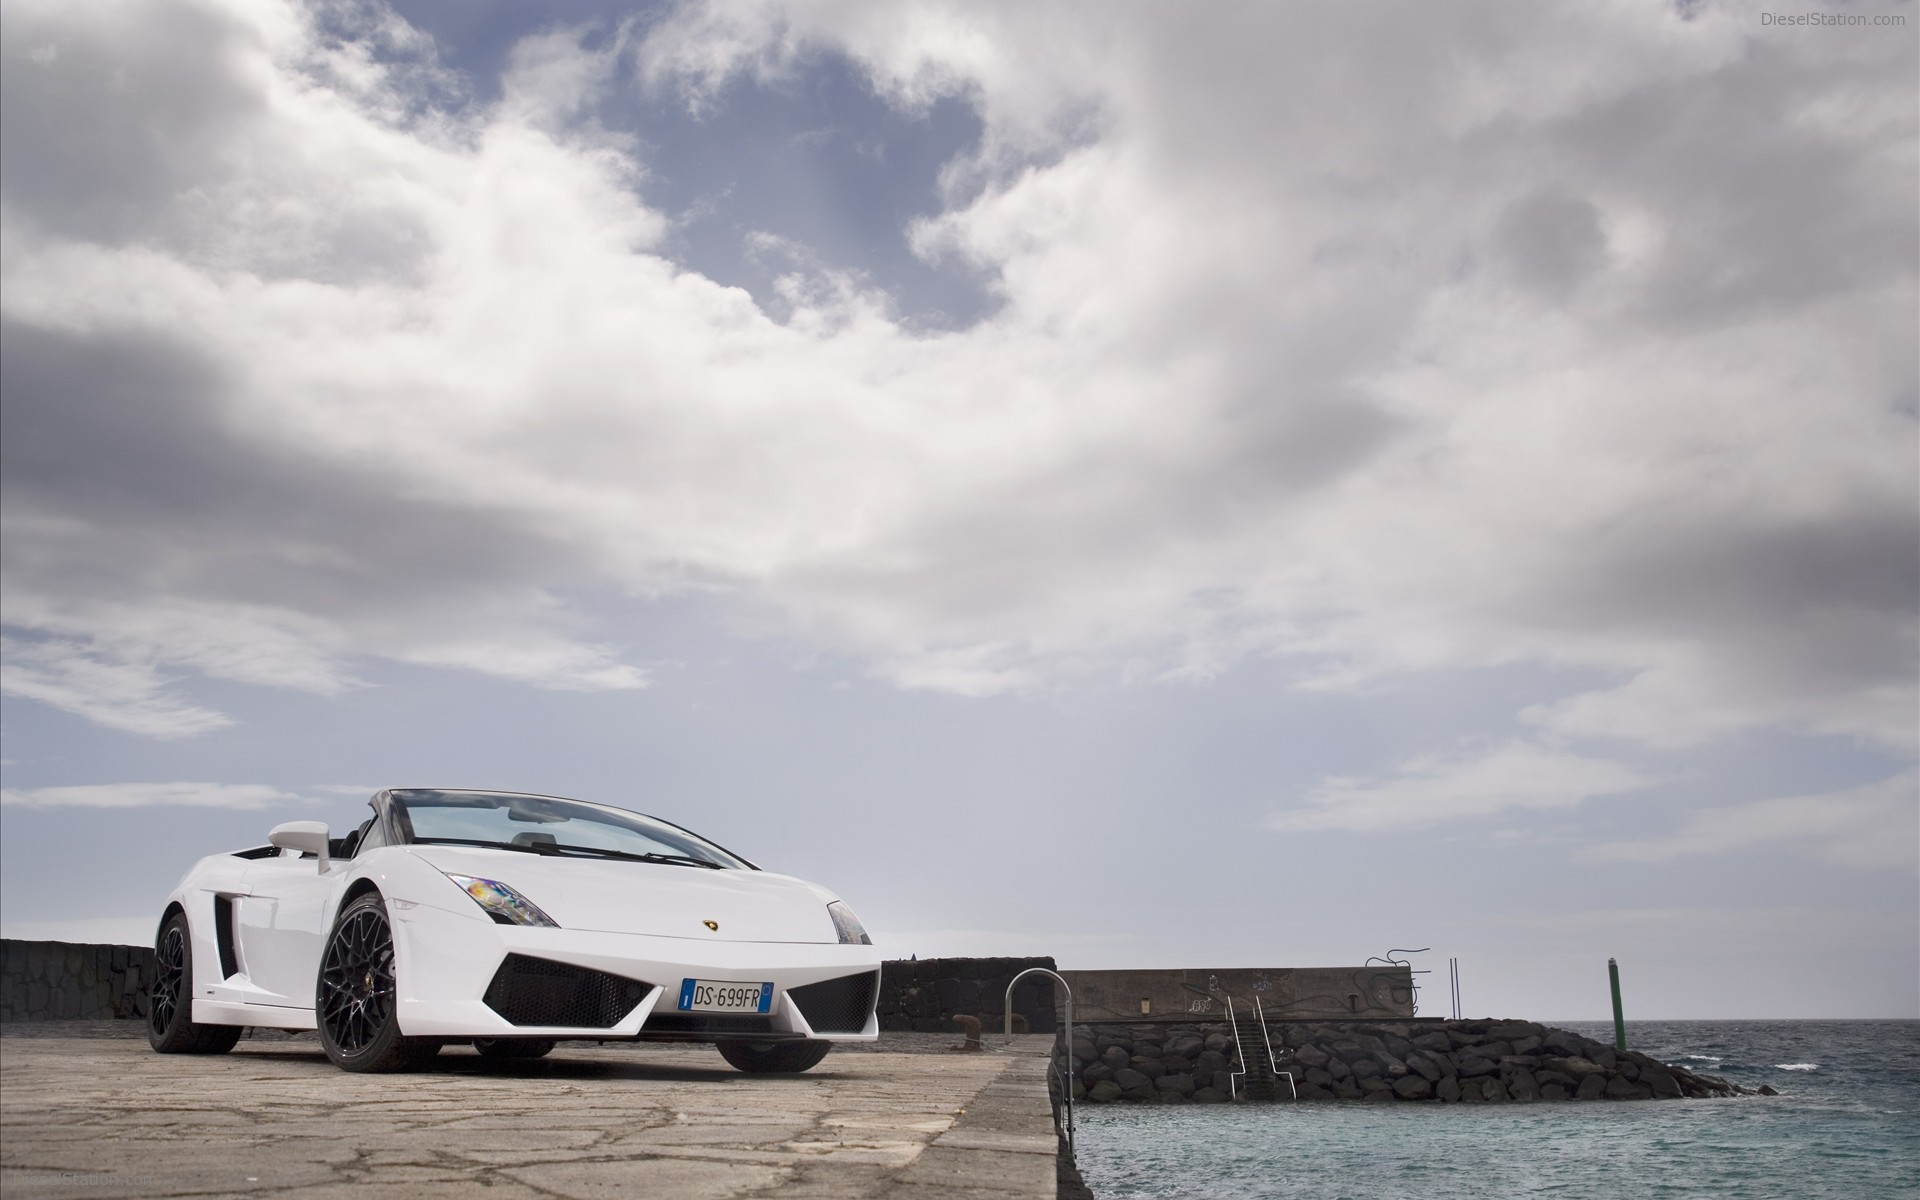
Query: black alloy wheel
[170,1025]
[773,1058]
[358,1018]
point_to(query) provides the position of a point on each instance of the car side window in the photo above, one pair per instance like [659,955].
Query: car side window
[353,843]
[371,834]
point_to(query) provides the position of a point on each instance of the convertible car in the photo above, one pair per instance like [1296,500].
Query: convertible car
[509,921]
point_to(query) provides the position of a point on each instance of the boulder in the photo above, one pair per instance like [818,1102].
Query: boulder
[1553,1091]
[1447,1089]
[1436,1041]
[1393,1066]
[1472,1065]
[1412,1087]
[1310,1056]
[1179,1084]
[1522,1086]
[1661,1080]
[1116,1058]
[1423,1066]
[1104,1092]
[1367,1069]
[1339,1069]
[1592,1087]
[1185,1045]
[1383,1095]
[1217,1041]
[1152,1068]
[1131,1080]
[1207,1095]
[1308,1091]
[1561,1042]
[1096,1073]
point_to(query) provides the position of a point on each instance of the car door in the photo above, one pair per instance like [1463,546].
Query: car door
[283,926]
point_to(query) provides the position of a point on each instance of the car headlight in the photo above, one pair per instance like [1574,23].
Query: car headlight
[503,904]
[848,926]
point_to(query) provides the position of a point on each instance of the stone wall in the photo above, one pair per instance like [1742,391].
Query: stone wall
[1381,992]
[56,981]
[925,995]
[1473,1062]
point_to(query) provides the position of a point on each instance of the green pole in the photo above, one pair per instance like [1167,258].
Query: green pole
[1619,1021]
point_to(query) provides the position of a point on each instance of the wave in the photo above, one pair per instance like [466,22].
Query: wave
[1796,1066]
[1702,1057]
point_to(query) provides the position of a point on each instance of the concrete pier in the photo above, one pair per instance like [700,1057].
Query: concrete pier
[107,1117]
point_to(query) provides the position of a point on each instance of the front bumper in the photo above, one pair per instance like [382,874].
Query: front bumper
[449,965]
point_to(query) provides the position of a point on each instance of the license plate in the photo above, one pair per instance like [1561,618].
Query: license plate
[718,995]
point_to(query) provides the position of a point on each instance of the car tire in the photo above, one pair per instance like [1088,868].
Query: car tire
[356,996]
[171,1028]
[773,1058]
[513,1047]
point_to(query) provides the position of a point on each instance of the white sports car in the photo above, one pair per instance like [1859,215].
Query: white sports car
[509,921]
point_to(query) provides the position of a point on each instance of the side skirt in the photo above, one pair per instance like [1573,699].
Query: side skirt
[266,1016]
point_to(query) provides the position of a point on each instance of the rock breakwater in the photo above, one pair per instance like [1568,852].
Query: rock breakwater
[1464,1062]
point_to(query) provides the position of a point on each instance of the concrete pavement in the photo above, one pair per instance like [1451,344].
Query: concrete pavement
[110,1118]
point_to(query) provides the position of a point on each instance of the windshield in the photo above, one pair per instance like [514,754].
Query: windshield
[548,825]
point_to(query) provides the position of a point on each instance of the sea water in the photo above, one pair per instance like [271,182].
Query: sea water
[1846,1124]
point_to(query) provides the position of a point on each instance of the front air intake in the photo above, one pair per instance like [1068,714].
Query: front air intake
[538,991]
[837,1005]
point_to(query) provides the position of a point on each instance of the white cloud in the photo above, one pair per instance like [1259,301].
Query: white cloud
[1875,825]
[122,695]
[1491,358]
[149,795]
[1431,790]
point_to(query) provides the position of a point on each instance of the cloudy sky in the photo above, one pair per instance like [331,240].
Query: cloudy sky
[1257,485]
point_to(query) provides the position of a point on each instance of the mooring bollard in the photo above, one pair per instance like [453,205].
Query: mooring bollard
[1619,1021]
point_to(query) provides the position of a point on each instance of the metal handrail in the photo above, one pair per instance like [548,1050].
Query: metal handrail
[1233,1077]
[1273,1063]
[1069,1075]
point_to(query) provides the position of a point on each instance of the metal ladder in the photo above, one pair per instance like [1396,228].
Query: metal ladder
[1062,1075]
[1262,1075]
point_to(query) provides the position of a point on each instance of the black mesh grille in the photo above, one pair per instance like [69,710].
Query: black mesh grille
[699,1024]
[223,936]
[536,991]
[837,1005]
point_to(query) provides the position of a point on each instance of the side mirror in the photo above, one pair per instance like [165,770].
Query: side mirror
[307,836]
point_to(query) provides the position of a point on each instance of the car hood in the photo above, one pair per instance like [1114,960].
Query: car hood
[610,896]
